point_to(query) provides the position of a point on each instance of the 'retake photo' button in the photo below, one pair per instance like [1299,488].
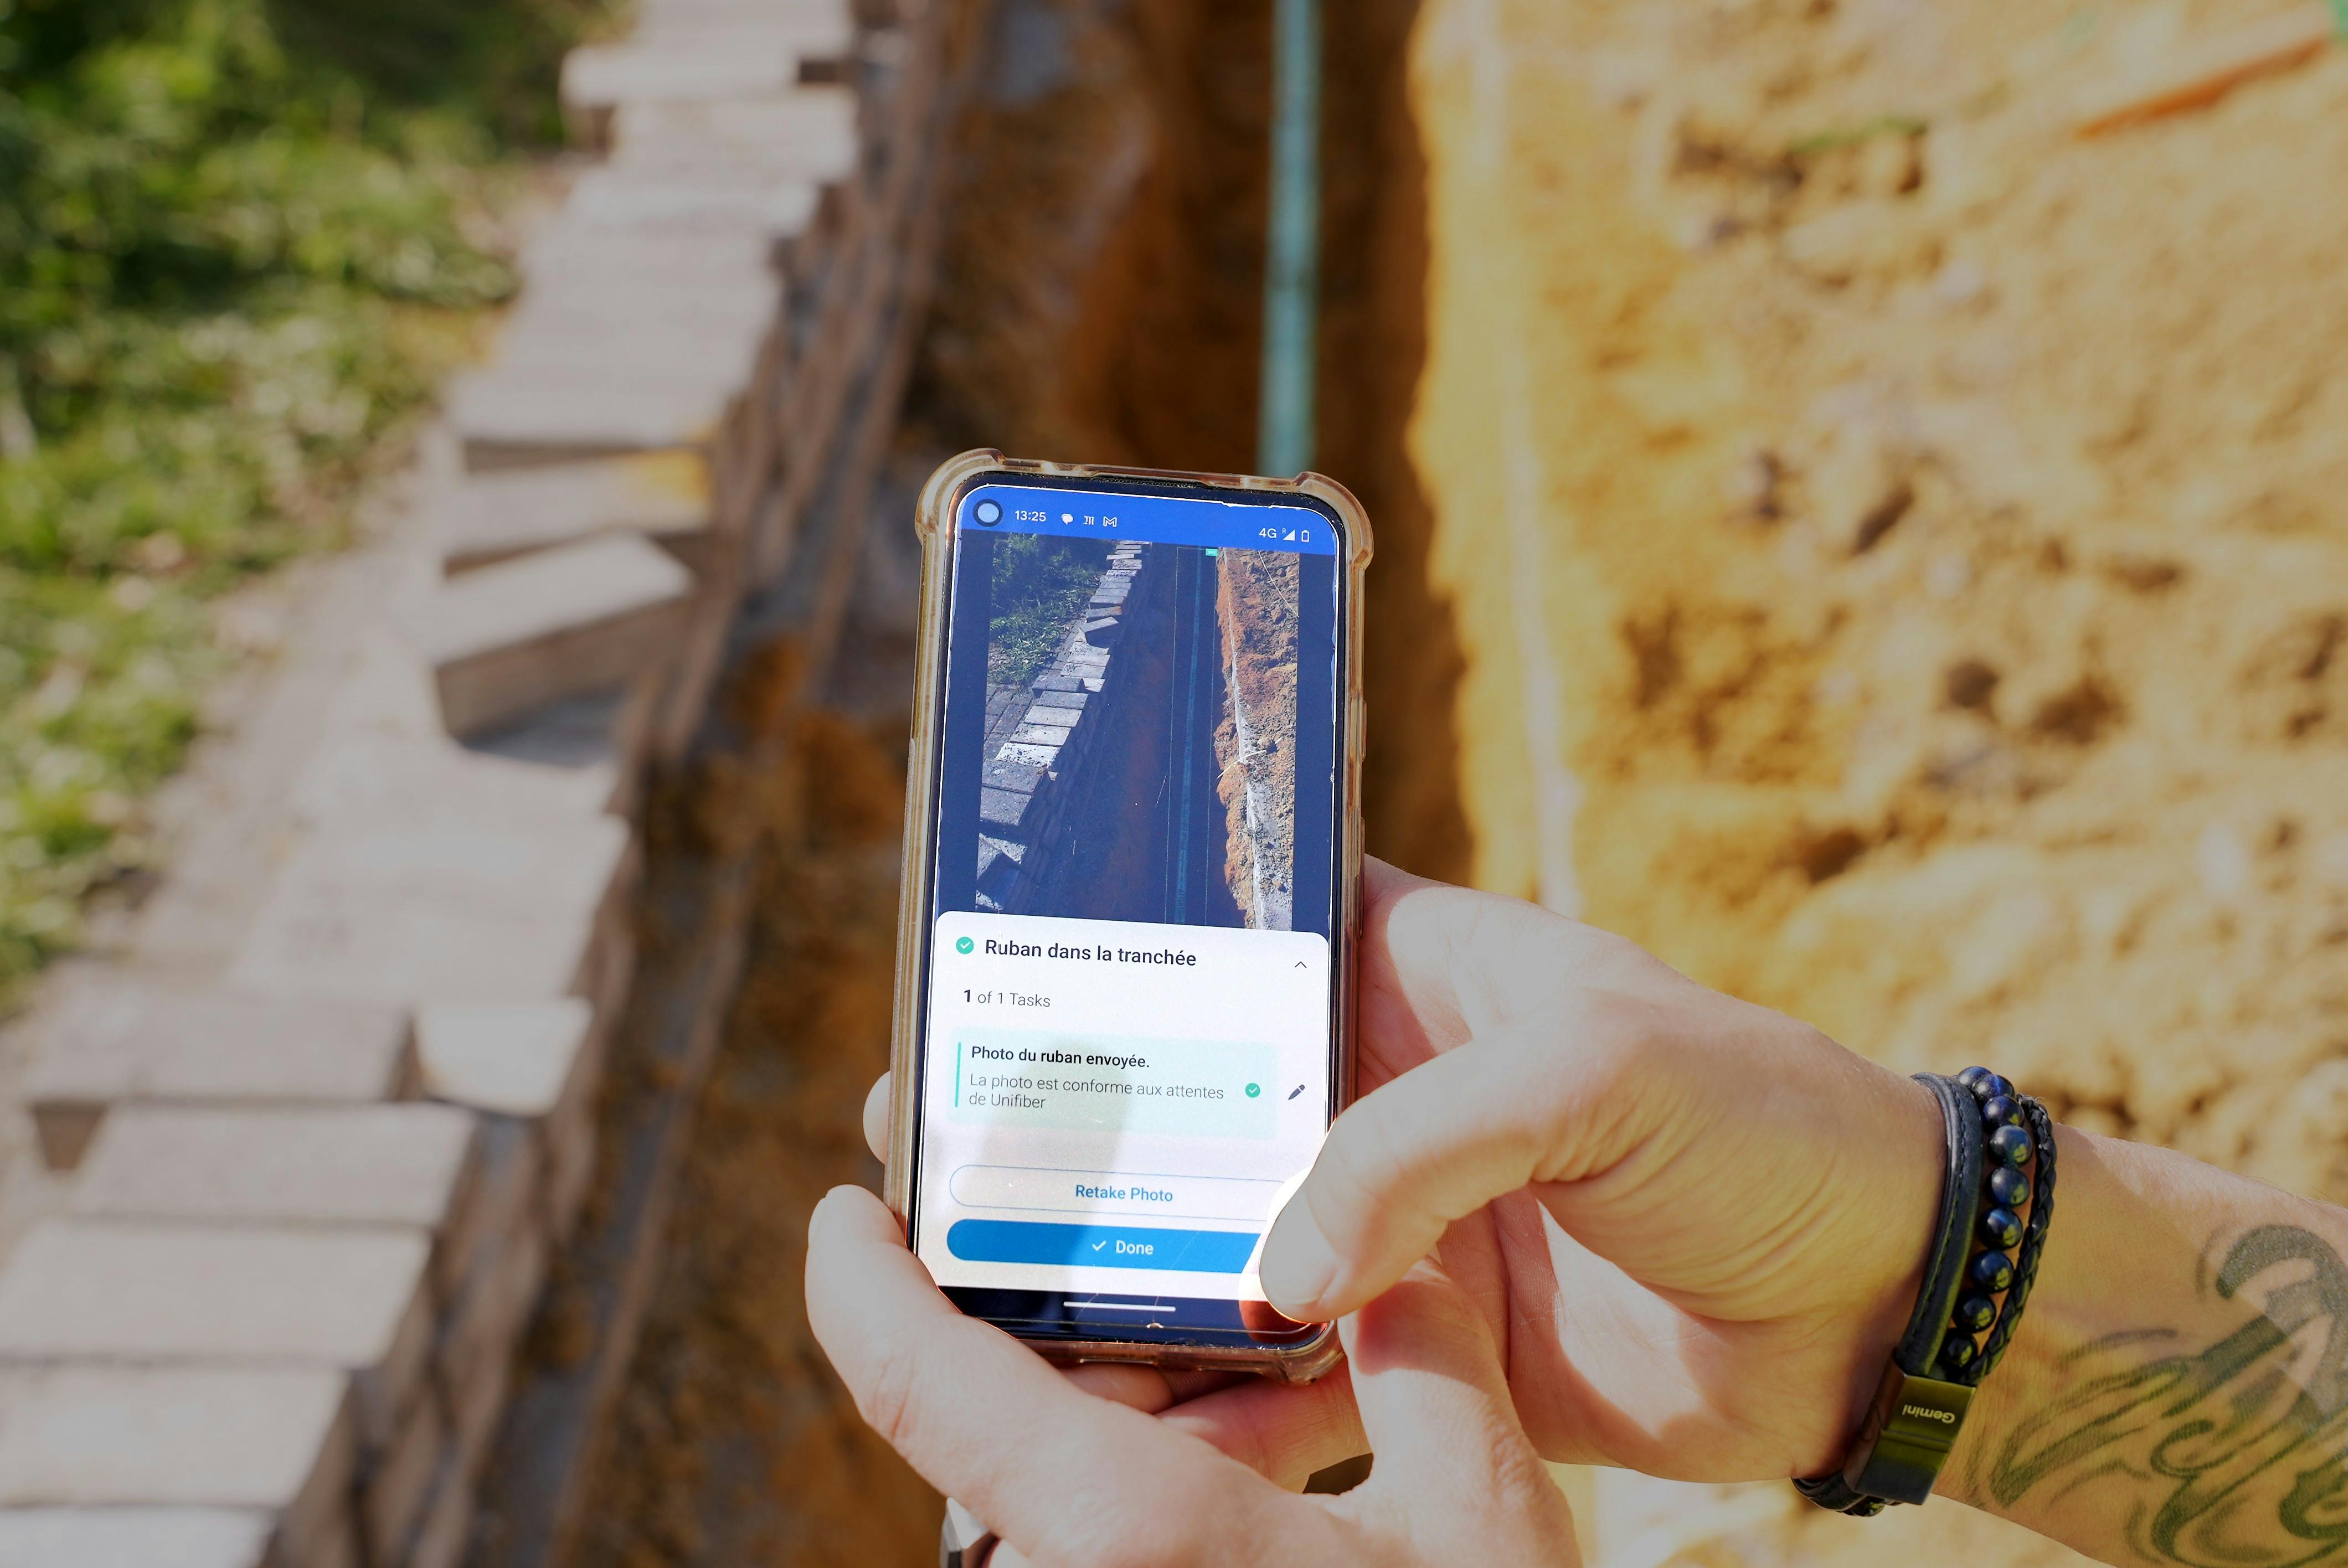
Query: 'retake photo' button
[1100,1246]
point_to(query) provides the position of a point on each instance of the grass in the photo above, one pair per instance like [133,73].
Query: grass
[1040,584]
[239,241]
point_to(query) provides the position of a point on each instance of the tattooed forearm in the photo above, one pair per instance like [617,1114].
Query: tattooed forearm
[2233,1456]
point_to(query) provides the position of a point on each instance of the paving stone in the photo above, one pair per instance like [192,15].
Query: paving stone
[664,18]
[601,736]
[695,332]
[432,781]
[1004,809]
[1042,736]
[779,210]
[278,1441]
[112,1041]
[376,1165]
[573,255]
[317,938]
[509,416]
[482,865]
[511,637]
[515,1058]
[809,132]
[394,1490]
[490,517]
[698,64]
[324,941]
[136,1538]
[701,364]
[354,1299]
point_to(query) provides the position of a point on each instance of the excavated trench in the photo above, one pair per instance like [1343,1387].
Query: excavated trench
[1098,299]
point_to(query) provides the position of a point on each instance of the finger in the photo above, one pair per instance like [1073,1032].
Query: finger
[1435,1405]
[1283,1433]
[1149,1389]
[1411,1157]
[876,1118]
[984,1418]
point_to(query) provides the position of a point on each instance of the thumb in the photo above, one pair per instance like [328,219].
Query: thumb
[1431,1147]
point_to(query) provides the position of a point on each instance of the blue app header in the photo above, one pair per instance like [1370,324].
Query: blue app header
[1154,520]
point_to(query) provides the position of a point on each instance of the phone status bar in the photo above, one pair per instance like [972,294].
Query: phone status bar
[1147,519]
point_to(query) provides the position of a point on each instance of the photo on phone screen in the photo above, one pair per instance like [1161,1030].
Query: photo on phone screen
[1128,1042]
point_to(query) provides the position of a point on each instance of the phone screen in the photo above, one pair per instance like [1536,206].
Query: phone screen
[1127,1052]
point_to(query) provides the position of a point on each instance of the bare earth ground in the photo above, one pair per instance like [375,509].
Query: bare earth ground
[1901,555]
[1256,605]
[732,1442]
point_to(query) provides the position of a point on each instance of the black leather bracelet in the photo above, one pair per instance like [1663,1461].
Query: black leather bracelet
[1997,1200]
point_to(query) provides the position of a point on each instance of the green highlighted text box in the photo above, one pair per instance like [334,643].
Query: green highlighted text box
[1196,1088]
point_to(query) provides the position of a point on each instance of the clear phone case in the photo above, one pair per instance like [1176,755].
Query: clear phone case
[940,504]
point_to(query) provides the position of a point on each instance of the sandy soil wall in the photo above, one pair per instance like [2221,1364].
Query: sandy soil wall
[1256,608]
[1901,553]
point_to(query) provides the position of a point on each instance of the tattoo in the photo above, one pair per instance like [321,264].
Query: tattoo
[2244,1445]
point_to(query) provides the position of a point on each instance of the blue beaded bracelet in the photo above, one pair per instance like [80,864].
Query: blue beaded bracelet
[1996,1202]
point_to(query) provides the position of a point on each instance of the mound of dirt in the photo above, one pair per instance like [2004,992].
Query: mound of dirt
[1901,549]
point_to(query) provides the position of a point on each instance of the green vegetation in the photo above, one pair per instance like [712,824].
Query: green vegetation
[238,239]
[1040,584]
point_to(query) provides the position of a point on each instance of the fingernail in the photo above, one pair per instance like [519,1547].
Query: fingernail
[1298,1264]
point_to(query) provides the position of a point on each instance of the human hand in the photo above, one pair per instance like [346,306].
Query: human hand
[1064,1477]
[1696,1226]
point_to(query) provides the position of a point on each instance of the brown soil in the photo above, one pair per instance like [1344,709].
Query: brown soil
[1901,557]
[732,1443]
[1256,603]
[1102,304]
[1098,301]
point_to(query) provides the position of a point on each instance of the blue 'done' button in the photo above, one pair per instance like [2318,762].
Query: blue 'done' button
[1100,1246]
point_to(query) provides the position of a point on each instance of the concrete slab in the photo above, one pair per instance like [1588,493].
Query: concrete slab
[482,867]
[515,1058]
[809,132]
[698,64]
[506,417]
[408,1164]
[136,1538]
[112,1040]
[279,1441]
[489,518]
[351,1299]
[317,939]
[508,638]
[431,780]
[777,208]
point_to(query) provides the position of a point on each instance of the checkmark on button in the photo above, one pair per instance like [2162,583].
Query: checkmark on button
[1098,1244]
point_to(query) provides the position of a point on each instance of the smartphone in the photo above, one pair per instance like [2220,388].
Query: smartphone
[1125,979]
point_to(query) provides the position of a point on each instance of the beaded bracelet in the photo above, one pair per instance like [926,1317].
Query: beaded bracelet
[1996,1203]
